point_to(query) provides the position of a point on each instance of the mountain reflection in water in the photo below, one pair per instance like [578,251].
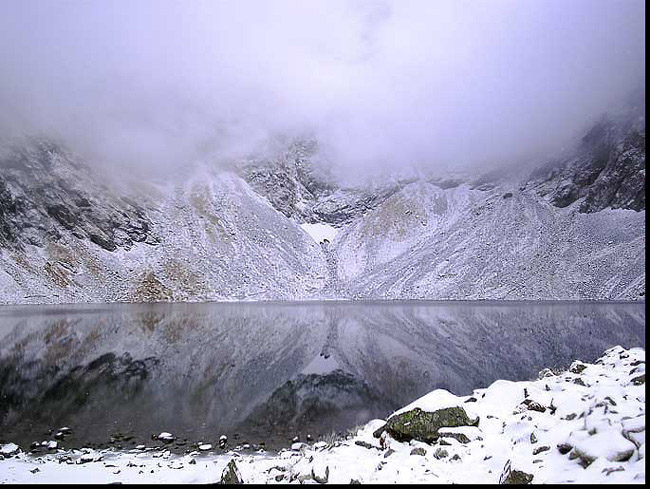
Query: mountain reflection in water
[270,371]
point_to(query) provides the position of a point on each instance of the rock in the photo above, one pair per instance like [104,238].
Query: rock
[84,459]
[364,444]
[532,405]
[547,372]
[424,426]
[607,444]
[463,434]
[541,449]
[440,453]
[389,452]
[513,476]
[455,458]
[577,367]
[223,440]
[634,425]
[321,478]
[419,451]
[379,431]
[52,445]
[640,380]
[205,447]
[297,446]
[166,437]
[231,474]
[579,381]
[9,449]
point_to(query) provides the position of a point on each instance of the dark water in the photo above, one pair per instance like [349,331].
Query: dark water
[269,371]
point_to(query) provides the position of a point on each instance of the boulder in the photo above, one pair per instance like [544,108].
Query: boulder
[424,426]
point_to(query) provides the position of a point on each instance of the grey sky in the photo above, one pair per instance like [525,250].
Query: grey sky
[381,83]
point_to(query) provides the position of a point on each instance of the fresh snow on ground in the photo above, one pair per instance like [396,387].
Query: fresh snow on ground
[320,231]
[586,425]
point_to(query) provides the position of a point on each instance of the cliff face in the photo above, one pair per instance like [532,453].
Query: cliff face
[607,170]
[574,229]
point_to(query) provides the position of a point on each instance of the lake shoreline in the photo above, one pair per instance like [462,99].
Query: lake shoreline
[542,431]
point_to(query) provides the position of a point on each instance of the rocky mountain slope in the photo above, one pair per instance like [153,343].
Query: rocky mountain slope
[573,229]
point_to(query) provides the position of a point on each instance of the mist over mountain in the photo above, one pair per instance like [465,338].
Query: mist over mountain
[384,86]
[193,151]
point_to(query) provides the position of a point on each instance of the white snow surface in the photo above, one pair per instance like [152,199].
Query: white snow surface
[603,415]
[320,231]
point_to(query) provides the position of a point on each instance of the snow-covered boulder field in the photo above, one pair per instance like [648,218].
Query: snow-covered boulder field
[585,425]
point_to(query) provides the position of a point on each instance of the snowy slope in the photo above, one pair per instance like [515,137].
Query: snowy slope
[277,226]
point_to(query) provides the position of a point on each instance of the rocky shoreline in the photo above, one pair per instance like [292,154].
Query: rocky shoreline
[584,425]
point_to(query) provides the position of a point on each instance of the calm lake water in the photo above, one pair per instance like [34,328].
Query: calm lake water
[266,372]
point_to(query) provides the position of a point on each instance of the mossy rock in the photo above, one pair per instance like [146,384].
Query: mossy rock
[423,426]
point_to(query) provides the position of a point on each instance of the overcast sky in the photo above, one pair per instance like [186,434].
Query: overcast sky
[380,83]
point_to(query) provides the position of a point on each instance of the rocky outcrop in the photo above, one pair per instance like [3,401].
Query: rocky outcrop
[607,170]
[45,192]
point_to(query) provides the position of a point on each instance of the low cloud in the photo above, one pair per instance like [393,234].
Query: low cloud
[382,84]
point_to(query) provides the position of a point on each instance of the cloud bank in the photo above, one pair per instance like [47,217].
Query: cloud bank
[382,84]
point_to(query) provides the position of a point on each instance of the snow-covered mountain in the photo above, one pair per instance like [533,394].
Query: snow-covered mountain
[277,226]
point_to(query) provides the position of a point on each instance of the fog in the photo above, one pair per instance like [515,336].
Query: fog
[381,84]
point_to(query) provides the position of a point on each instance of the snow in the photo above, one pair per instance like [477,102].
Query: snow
[597,420]
[320,231]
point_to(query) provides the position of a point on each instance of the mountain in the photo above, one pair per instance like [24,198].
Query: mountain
[277,226]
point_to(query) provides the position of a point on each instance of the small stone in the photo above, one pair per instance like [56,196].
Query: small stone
[440,453]
[364,444]
[455,457]
[577,367]
[419,451]
[547,372]
[534,406]
[513,476]
[539,450]
[389,452]
[205,447]
[166,437]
